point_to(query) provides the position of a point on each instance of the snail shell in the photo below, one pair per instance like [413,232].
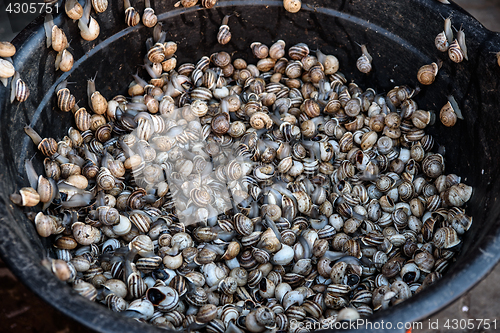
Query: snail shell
[259,50]
[73,9]
[7,49]
[298,51]
[132,17]
[22,91]
[6,69]
[64,60]
[441,42]
[100,5]
[292,6]
[59,40]
[260,120]
[92,32]
[224,35]
[427,73]
[447,115]
[208,3]
[149,18]
[455,52]
[277,50]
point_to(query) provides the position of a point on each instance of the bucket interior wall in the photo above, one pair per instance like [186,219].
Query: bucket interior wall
[400,37]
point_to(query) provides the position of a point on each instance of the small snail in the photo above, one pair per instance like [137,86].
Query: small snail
[427,73]
[149,18]
[259,50]
[7,49]
[224,35]
[292,6]
[329,62]
[132,17]
[64,60]
[447,115]
[100,6]
[89,28]
[73,9]
[19,89]
[208,3]
[364,63]
[186,3]
[455,52]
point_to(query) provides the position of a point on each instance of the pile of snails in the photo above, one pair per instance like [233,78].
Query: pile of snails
[227,196]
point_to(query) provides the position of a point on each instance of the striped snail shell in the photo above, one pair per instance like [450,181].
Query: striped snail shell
[105,179]
[208,3]
[455,52]
[132,17]
[65,100]
[100,5]
[157,53]
[82,119]
[224,35]
[20,90]
[441,42]
[298,51]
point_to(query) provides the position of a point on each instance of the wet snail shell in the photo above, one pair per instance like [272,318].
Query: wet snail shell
[427,73]
[59,40]
[73,9]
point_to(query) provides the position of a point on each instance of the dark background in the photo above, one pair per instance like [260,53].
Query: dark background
[22,311]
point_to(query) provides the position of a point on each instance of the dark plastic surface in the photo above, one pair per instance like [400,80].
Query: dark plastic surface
[400,37]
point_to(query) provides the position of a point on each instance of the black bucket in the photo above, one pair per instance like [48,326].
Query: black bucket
[400,37]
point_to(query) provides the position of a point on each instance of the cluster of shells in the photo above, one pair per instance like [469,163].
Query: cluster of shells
[226,196]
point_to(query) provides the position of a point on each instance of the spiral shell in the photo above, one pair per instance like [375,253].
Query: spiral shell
[65,100]
[100,6]
[441,42]
[427,73]
[224,35]
[149,18]
[132,17]
[447,115]
[455,52]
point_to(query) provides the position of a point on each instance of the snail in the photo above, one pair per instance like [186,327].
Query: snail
[224,35]
[292,6]
[461,43]
[455,52]
[89,28]
[73,9]
[447,115]
[427,73]
[149,18]
[329,62]
[132,17]
[64,60]
[100,6]
[364,62]
[7,49]
[19,89]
